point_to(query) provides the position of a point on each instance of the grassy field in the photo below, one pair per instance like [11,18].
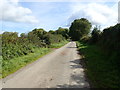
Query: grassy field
[11,66]
[101,69]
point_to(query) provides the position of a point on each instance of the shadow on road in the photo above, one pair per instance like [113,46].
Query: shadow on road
[76,64]
[77,61]
[72,86]
[78,83]
[77,79]
[71,47]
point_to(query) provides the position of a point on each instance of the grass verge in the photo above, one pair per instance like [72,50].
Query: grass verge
[100,68]
[11,66]
[1,66]
[58,45]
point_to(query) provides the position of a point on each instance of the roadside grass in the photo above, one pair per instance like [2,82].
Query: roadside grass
[1,66]
[58,45]
[101,69]
[11,66]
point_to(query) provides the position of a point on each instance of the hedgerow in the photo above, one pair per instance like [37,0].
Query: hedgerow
[15,46]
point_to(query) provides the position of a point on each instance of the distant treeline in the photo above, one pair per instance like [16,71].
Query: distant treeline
[15,46]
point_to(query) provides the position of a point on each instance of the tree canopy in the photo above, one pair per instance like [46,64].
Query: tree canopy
[79,28]
[63,32]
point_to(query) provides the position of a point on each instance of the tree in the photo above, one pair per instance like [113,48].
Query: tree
[63,31]
[95,35]
[53,38]
[23,35]
[51,32]
[39,32]
[79,28]
[9,37]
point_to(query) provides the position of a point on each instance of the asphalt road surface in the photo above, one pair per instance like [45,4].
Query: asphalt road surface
[58,69]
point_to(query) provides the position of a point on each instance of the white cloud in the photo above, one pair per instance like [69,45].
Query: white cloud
[10,10]
[97,13]
[69,0]
[1,31]
[119,12]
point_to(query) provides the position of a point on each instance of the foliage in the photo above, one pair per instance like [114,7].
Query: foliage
[79,28]
[1,66]
[53,38]
[34,39]
[103,57]
[58,45]
[15,46]
[95,36]
[110,42]
[51,32]
[101,68]
[63,31]
[40,33]
[85,39]
[0,44]
[10,66]
[110,38]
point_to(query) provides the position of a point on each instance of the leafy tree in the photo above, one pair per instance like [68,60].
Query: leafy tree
[53,38]
[9,37]
[51,32]
[63,31]
[14,46]
[39,32]
[0,44]
[110,42]
[23,35]
[95,35]
[79,28]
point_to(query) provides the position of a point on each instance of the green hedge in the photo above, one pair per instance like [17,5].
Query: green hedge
[101,69]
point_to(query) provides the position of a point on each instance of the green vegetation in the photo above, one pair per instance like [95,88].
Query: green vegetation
[58,45]
[100,51]
[101,68]
[95,36]
[79,29]
[14,46]
[53,38]
[18,51]
[1,66]
[12,65]
[63,31]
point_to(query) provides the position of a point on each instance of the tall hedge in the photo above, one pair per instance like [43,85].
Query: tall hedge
[15,46]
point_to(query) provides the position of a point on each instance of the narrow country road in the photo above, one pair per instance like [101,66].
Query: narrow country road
[59,69]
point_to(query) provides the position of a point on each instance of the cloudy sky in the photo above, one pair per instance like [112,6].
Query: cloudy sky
[25,15]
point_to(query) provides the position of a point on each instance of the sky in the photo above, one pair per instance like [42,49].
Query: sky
[23,16]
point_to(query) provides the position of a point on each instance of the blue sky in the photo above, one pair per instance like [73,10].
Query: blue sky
[25,16]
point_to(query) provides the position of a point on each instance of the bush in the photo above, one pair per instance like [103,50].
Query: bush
[101,69]
[14,46]
[53,38]
[95,36]
[110,42]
